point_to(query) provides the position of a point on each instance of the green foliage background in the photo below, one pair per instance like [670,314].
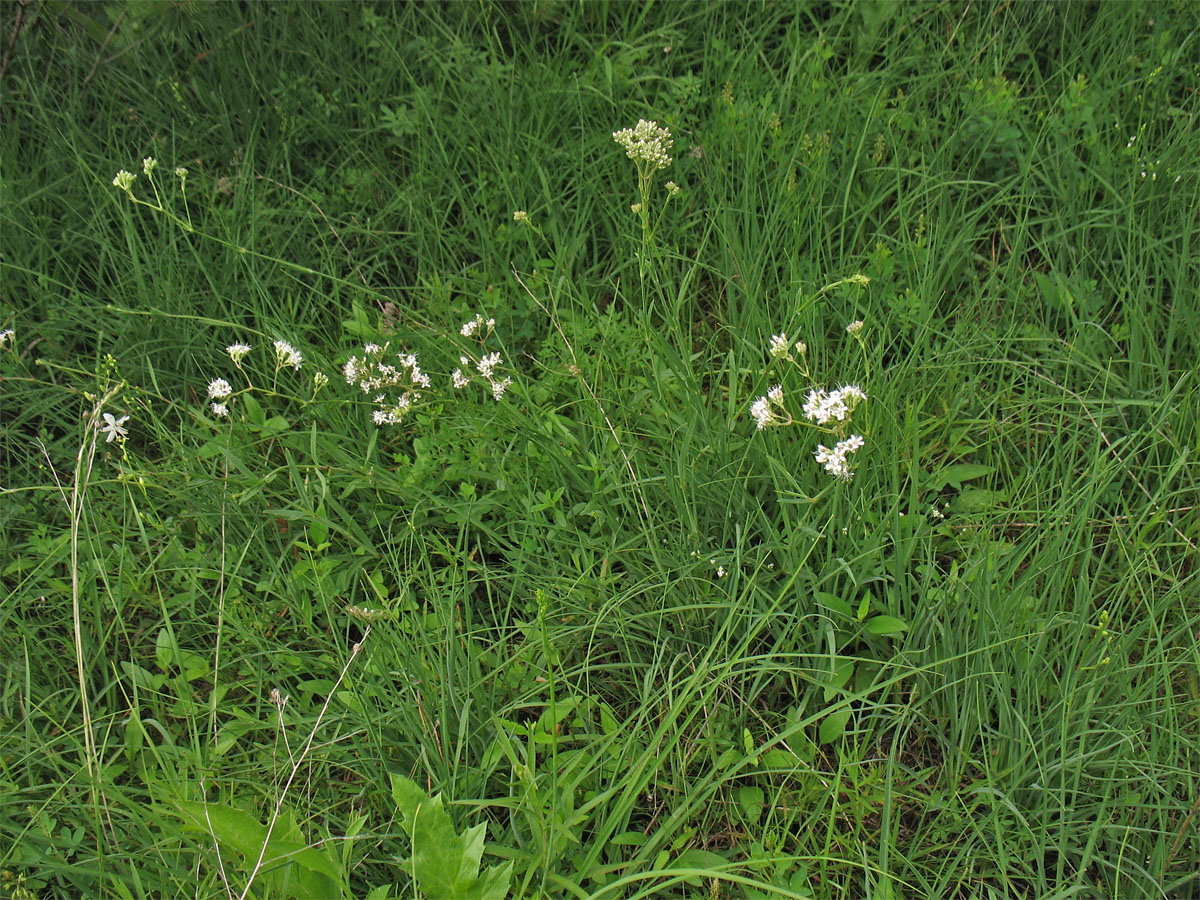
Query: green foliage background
[656,652]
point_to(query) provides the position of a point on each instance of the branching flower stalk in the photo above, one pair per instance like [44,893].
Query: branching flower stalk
[114,430]
[827,410]
[297,761]
[125,181]
[647,145]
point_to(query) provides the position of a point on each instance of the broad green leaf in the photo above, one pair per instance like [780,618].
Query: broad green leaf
[275,425]
[885,625]
[956,475]
[254,410]
[864,607]
[751,799]
[833,726]
[445,865]
[834,603]
[978,500]
[167,653]
[836,679]
[316,876]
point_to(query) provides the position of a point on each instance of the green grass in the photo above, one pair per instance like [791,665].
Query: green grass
[656,651]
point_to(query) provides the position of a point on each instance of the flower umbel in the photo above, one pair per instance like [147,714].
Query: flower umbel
[286,355]
[219,389]
[768,409]
[834,460]
[646,144]
[237,352]
[824,407]
[374,374]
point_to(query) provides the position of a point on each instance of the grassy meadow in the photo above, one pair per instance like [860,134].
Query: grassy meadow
[413,484]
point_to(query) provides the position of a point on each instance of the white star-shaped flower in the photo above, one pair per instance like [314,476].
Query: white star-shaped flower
[112,428]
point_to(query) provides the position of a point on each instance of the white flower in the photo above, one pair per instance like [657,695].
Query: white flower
[775,395]
[113,429]
[7,335]
[374,377]
[779,345]
[520,216]
[320,379]
[220,410]
[487,364]
[499,387]
[124,180]
[834,460]
[761,410]
[646,143]
[181,172]
[287,355]
[823,407]
[237,352]
[460,380]
[219,389]
[854,327]
[148,164]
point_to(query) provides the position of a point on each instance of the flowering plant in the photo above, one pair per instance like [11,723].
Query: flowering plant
[830,411]
[647,145]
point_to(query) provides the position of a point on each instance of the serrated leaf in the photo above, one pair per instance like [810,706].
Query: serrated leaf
[315,874]
[444,864]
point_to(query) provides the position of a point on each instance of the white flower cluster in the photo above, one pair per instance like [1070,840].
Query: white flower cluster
[767,407]
[824,407]
[472,328]
[394,388]
[646,143]
[285,355]
[221,392]
[781,347]
[6,336]
[237,352]
[219,389]
[830,410]
[834,460]
[485,368]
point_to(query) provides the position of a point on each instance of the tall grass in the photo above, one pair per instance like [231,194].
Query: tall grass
[657,651]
